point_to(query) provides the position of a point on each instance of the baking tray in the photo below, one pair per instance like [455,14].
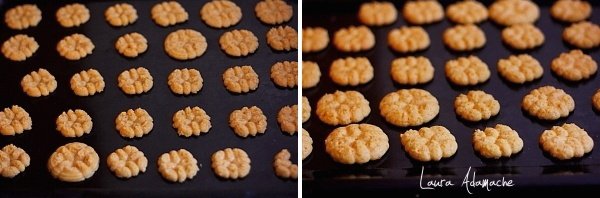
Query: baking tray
[159,102]
[531,169]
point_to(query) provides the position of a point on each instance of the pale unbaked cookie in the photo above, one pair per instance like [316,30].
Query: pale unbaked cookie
[412,70]
[185,44]
[523,36]
[134,123]
[273,12]
[351,71]
[283,167]
[311,74]
[231,163]
[595,100]
[240,79]
[497,142]
[464,37]
[429,143]
[467,12]
[574,65]
[75,47]
[72,15]
[248,121]
[423,12]
[566,142]
[73,162]
[466,71]
[282,38]
[168,13]
[548,103]
[354,39]
[356,144]
[120,14]
[288,119]
[409,107]
[23,16]
[220,13]
[13,160]
[185,81]
[238,42]
[306,144]
[135,81]
[19,47]
[127,162]
[520,68]
[585,35]
[306,109]
[87,82]
[191,121]
[177,165]
[314,39]
[476,105]
[285,74]
[571,10]
[74,123]
[511,12]
[39,83]
[14,120]
[342,107]
[377,13]
[131,45]
[408,39]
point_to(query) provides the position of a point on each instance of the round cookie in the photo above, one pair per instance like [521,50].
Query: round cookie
[238,43]
[177,165]
[168,13]
[511,12]
[185,81]
[73,162]
[134,123]
[571,10]
[423,12]
[584,35]
[467,12]
[127,162]
[23,16]
[465,71]
[191,121]
[288,119]
[497,142]
[131,45]
[285,74]
[248,121]
[240,79]
[314,39]
[185,44]
[220,14]
[14,120]
[464,37]
[72,15]
[39,83]
[19,47]
[311,74]
[283,166]
[273,12]
[429,143]
[75,47]
[548,103]
[231,163]
[408,39]
[520,68]
[412,70]
[87,83]
[409,107]
[307,142]
[74,123]
[354,39]
[377,13]
[306,109]
[522,36]
[574,65]
[120,14]
[476,106]
[566,142]
[356,144]
[595,101]
[135,81]
[341,108]
[13,160]
[282,38]
[351,71]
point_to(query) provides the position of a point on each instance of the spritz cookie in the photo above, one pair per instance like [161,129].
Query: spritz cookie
[354,39]
[238,42]
[220,13]
[585,35]
[409,107]
[548,103]
[185,81]
[283,166]
[288,119]
[240,79]
[464,37]
[497,142]
[571,10]
[248,121]
[19,47]
[520,68]
[412,70]
[511,12]
[285,74]
[466,71]
[423,12]
[13,160]
[311,74]
[306,109]
[75,47]
[408,39]
[351,71]
[168,13]
[595,100]
[191,121]
[185,44]
[23,16]
[72,15]
[377,13]
[87,83]
[523,36]
[134,123]
[74,123]
[282,38]
[429,143]
[566,142]
[273,12]
[14,120]
[127,162]
[307,142]
[177,165]
[342,107]
[356,144]
[135,81]
[39,83]
[467,12]
[476,106]
[314,39]
[231,163]
[120,14]
[73,162]
[131,45]
[574,65]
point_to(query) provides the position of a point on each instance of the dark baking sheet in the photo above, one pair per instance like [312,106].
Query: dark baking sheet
[530,169]
[159,102]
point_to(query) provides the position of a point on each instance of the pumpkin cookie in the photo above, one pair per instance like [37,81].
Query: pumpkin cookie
[72,15]
[191,121]
[131,45]
[120,15]
[306,144]
[135,81]
[306,109]
[409,107]
[13,160]
[314,39]
[311,74]
[273,12]
[87,83]
[282,38]
[285,74]
[412,70]
[288,119]
[73,162]
[341,108]
[134,123]
[585,35]
[574,65]
[74,123]
[127,162]
[356,144]
[566,142]
[464,37]
[177,165]
[523,36]
[39,83]
[466,71]
[520,68]
[14,120]
[185,81]
[429,143]
[511,12]
[377,13]
[423,12]
[168,13]
[231,163]
[497,142]
[185,44]
[354,39]
[75,47]
[248,121]
[283,167]
[571,10]
[23,16]
[467,12]
[548,103]
[476,106]
[240,79]
[351,71]
[19,47]
[408,39]
[221,14]
[238,42]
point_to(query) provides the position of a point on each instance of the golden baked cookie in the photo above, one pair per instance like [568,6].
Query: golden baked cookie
[220,13]
[314,39]
[306,144]
[571,10]
[74,123]
[285,74]
[467,12]
[13,160]
[23,16]
[356,144]
[311,74]
[240,79]
[520,68]
[231,163]
[466,71]
[523,36]
[248,121]
[283,167]
[412,70]
[476,106]
[75,47]
[135,81]
[19,47]
[282,38]
[14,120]
[238,42]
[39,83]
[377,13]
[354,39]
[72,15]
[288,119]
[548,103]
[306,109]
[120,14]
[423,12]
[87,83]
[73,162]
[185,44]
[595,100]
[131,45]
[134,123]
[127,162]
[409,107]
[191,121]
[273,12]
[168,13]
[584,35]
[177,165]
[185,81]
[511,12]
[464,37]
[408,39]
[351,71]
[429,143]
[497,142]
[574,65]
[342,107]
[566,142]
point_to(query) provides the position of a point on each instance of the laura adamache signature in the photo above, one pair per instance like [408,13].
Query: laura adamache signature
[468,182]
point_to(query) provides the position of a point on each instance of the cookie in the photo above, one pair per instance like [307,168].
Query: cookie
[273,12]
[134,123]
[87,83]
[131,45]
[168,13]
[75,47]
[408,39]
[19,47]
[74,123]
[240,79]
[120,14]
[571,10]
[409,107]
[423,12]
[73,162]
[412,70]
[283,167]
[584,35]
[185,44]
[282,38]
[191,121]
[377,13]
[464,37]
[185,81]
[574,65]
[220,14]
[23,16]
[177,165]
[314,39]
[285,74]
[306,144]
[595,100]
[127,162]
[230,163]
[566,142]
[351,71]
[135,81]
[14,120]
[511,12]
[288,119]
[13,160]
[238,43]
[497,142]
[354,39]
[476,106]
[248,121]
[429,143]
[548,103]
[465,71]
[342,107]
[306,109]
[520,68]
[522,36]
[356,144]
[39,83]
[72,15]
[311,74]
[467,12]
